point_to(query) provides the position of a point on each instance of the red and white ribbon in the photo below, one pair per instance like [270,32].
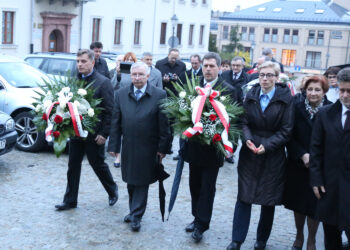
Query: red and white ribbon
[73,110]
[197,107]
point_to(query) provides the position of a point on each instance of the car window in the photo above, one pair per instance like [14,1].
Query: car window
[59,66]
[35,61]
[21,75]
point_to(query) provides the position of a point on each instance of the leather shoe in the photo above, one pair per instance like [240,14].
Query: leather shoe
[234,245]
[113,199]
[127,218]
[197,235]
[135,226]
[190,227]
[230,160]
[259,245]
[65,206]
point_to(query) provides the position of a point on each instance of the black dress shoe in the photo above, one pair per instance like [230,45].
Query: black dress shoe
[65,206]
[234,245]
[296,248]
[176,158]
[197,235]
[135,225]
[127,218]
[190,227]
[230,160]
[113,199]
[259,245]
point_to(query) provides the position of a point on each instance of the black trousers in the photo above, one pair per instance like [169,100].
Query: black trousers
[96,156]
[137,201]
[202,188]
[332,237]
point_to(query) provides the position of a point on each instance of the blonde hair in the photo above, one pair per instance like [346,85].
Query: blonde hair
[272,65]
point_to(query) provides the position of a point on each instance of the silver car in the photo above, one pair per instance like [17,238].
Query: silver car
[18,80]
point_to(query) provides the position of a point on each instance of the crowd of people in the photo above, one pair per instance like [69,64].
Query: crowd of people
[295,147]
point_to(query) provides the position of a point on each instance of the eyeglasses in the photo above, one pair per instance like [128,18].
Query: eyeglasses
[332,77]
[262,75]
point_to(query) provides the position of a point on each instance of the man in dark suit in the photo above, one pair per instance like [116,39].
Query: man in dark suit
[204,161]
[100,63]
[155,77]
[196,69]
[93,145]
[236,76]
[171,68]
[137,118]
[330,164]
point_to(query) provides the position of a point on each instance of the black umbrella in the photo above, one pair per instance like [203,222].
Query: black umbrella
[161,176]
[176,184]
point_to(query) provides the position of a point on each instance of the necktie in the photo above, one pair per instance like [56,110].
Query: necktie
[235,76]
[347,121]
[138,94]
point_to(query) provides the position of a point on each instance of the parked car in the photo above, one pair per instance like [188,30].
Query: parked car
[54,63]
[18,83]
[8,134]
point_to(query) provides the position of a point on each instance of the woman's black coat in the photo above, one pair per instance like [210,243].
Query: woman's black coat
[261,177]
[298,195]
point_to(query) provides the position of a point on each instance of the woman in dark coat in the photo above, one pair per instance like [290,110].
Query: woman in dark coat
[267,127]
[298,195]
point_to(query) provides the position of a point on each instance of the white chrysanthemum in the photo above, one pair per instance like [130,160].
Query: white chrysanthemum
[82,92]
[182,94]
[47,103]
[91,112]
[38,108]
[76,103]
[222,98]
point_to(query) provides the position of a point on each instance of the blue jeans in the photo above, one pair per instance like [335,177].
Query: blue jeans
[241,220]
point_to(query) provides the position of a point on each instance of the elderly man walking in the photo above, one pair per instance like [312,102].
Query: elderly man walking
[330,164]
[137,117]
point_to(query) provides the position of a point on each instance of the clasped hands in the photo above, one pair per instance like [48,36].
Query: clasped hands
[161,156]
[256,150]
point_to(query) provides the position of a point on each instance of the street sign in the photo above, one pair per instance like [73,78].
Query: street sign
[173,42]
[297,68]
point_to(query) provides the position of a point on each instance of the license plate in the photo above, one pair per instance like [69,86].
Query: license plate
[2,144]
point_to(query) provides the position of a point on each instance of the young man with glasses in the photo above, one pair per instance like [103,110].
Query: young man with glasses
[333,92]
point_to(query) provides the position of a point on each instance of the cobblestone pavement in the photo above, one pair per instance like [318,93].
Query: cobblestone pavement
[32,183]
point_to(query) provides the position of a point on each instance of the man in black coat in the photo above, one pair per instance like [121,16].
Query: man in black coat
[137,118]
[100,63]
[204,161]
[237,77]
[330,164]
[93,145]
[171,68]
[196,69]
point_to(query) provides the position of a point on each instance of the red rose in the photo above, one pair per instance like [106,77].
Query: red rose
[216,138]
[56,134]
[58,119]
[44,117]
[212,117]
[81,117]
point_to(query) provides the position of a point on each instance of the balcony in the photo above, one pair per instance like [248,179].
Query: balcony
[64,2]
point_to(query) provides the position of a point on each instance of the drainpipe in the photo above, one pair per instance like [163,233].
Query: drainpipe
[329,44]
[154,24]
[347,50]
[31,46]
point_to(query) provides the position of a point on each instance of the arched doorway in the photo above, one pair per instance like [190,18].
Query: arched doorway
[55,41]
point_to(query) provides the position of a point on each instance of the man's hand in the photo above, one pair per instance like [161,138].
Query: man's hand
[317,191]
[251,146]
[161,156]
[114,154]
[100,140]
[306,159]
[260,150]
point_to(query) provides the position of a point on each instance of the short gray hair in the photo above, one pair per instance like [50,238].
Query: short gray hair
[140,64]
[267,51]
[90,53]
[195,55]
[344,75]
[146,54]
[238,58]
[213,55]
[274,66]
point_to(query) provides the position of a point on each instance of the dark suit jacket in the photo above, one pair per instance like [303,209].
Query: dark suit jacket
[101,67]
[189,75]
[203,155]
[103,90]
[145,132]
[243,79]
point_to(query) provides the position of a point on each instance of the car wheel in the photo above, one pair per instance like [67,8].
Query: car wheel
[29,139]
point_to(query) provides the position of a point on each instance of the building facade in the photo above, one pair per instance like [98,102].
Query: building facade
[303,34]
[122,26]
